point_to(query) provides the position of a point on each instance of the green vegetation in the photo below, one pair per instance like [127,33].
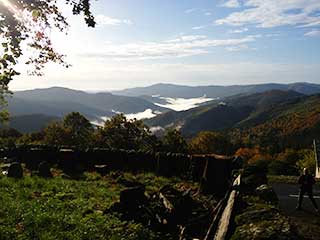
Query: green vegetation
[75,131]
[173,141]
[58,208]
[120,132]
[211,142]
[285,179]
[288,162]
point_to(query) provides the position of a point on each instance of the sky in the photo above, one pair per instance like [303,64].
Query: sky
[186,42]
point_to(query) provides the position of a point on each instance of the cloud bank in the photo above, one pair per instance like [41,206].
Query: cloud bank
[184,46]
[103,20]
[273,13]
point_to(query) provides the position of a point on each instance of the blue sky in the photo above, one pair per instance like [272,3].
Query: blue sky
[192,42]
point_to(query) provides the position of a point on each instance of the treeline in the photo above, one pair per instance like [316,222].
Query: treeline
[118,132]
[75,131]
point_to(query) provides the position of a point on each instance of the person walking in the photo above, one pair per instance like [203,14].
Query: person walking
[306,182]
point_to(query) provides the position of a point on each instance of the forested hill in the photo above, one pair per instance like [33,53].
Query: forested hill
[293,124]
[30,123]
[257,116]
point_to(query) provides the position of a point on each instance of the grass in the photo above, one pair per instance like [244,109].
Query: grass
[35,208]
[286,179]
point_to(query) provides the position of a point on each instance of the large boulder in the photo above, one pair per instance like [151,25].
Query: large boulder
[133,196]
[44,170]
[101,169]
[15,170]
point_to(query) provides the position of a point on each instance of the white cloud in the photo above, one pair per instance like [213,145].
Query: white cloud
[191,10]
[232,4]
[182,104]
[105,20]
[206,12]
[199,27]
[312,24]
[157,129]
[148,113]
[274,13]
[313,33]
[241,30]
[183,46]
[187,38]
[273,35]
[238,48]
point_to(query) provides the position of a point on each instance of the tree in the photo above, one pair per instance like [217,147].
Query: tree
[74,130]
[9,136]
[56,134]
[30,22]
[31,138]
[119,132]
[285,163]
[307,160]
[211,142]
[255,156]
[10,132]
[79,128]
[173,141]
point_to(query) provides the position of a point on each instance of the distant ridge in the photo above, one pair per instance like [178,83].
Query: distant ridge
[58,101]
[211,91]
[245,105]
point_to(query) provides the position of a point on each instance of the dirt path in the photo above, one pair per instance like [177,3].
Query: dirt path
[306,221]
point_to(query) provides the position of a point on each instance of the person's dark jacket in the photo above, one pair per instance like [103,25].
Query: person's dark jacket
[306,182]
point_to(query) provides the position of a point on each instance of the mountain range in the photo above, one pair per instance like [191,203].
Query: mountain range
[235,111]
[224,106]
[287,118]
[178,91]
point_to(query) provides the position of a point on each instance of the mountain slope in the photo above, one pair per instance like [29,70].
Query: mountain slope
[29,123]
[105,102]
[238,111]
[58,108]
[293,124]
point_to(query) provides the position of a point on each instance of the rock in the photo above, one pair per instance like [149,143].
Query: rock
[15,170]
[178,205]
[253,177]
[257,215]
[263,224]
[133,196]
[102,169]
[267,194]
[44,170]
[66,176]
